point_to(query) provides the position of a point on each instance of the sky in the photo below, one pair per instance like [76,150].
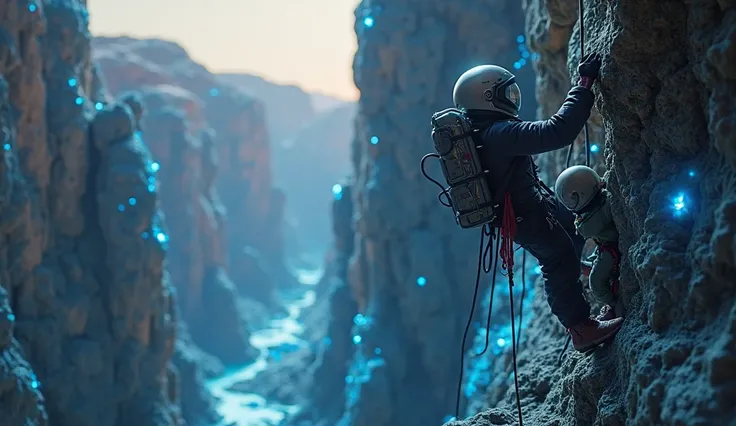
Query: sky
[310,43]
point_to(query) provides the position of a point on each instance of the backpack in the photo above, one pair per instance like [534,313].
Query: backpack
[470,197]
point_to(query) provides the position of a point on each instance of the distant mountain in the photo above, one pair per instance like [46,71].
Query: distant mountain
[322,103]
[306,167]
[288,107]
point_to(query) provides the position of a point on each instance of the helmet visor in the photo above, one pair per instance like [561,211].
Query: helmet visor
[513,94]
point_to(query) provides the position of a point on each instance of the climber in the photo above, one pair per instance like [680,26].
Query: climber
[582,191]
[491,99]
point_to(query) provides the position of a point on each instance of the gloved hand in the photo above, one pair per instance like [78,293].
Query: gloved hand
[590,66]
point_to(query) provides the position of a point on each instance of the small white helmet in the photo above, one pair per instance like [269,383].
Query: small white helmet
[487,88]
[577,186]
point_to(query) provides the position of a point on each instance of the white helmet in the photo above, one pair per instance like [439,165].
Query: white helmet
[577,186]
[487,88]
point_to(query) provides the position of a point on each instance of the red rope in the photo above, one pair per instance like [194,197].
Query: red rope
[508,232]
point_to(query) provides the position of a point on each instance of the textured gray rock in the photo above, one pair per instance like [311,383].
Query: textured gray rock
[84,297]
[414,269]
[666,97]
[244,175]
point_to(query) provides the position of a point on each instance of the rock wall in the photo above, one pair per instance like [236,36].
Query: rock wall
[244,181]
[414,269]
[88,320]
[197,260]
[666,99]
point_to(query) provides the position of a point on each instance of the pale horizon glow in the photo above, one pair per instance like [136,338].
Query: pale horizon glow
[309,44]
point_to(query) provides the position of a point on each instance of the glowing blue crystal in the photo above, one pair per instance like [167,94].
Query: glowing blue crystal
[357,339]
[10,317]
[517,65]
[7,147]
[121,208]
[374,140]
[594,148]
[161,237]
[691,173]
[35,384]
[132,201]
[79,100]
[520,38]
[368,21]
[337,191]
[155,167]
[501,342]
[32,7]
[99,106]
[421,281]
[72,82]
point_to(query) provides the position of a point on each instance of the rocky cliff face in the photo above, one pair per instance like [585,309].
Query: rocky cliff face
[197,260]
[255,208]
[88,320]
[413,269]
[665,97]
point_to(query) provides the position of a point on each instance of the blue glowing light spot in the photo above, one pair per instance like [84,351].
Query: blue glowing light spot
[360,320]
[155,167]
[151,187]
[368,22]
[679,203]
[99,106]
[337,191]
[594,148]
[691,173]
[522,62]
[327,341]
[132,201]
[79,100]
[538,270]
[520,38]
[7,147]
[517,65]
[10,317]
[72,82]
[377,351]
[32,7]
[214,92]
[449,419]
[357,339]
[121,208]
[525,54]
[374,140]
[501,342]
[349,379]
[34,384]
[421,281]
[144,235]
[161,237]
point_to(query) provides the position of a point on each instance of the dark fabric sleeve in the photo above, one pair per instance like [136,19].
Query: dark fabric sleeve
[535,137]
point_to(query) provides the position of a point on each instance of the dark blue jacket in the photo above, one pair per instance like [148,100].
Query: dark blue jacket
[507,139]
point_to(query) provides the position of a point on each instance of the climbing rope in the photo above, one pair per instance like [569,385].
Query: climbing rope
[585,136]
[585,127]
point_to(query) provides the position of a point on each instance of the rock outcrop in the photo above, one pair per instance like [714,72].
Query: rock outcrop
[666,98]
[254,207]
[88,318]
[414,269]
[197,258]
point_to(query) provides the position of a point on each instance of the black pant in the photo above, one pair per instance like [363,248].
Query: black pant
[547,232]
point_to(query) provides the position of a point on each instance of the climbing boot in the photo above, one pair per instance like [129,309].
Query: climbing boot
[592,332]
[607,313]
